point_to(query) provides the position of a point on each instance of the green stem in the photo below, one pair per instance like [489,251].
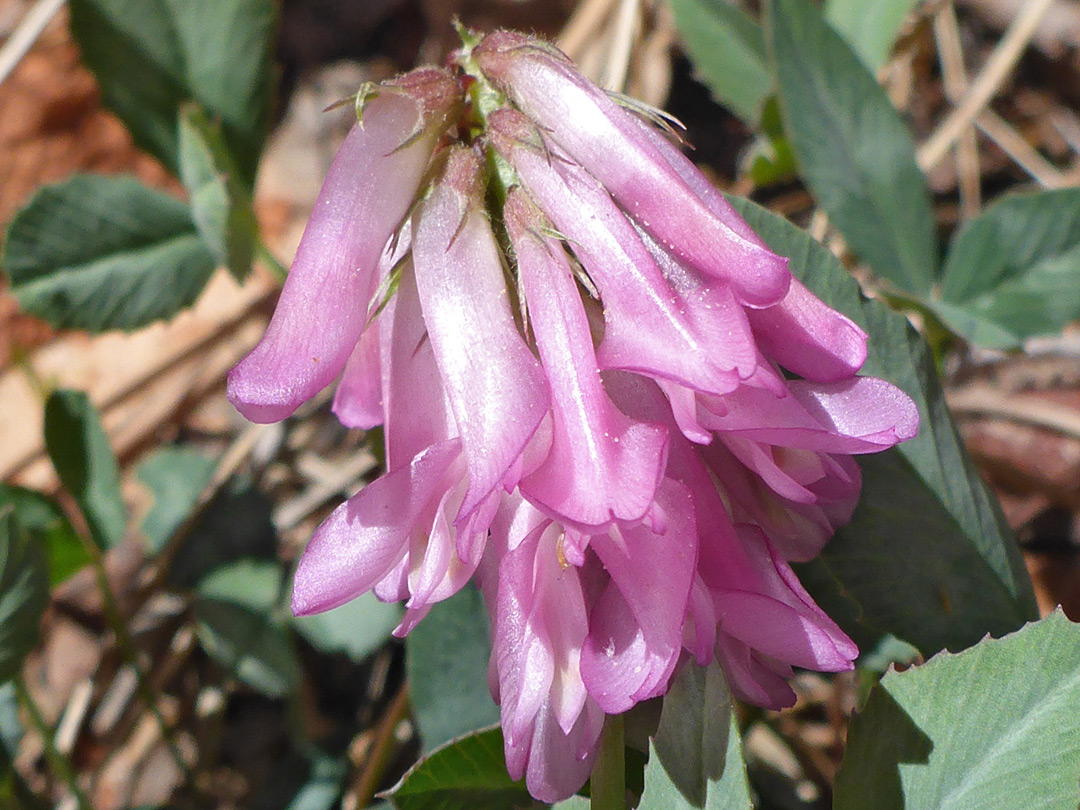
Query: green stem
[608,780]
[126,647]
[270,260]
[59,763]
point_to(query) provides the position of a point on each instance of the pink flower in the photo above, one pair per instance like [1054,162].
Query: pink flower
[368,191]
[585,407]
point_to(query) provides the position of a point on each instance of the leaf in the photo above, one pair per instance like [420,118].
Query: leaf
[1014,271]
[175,476]
[220,204]
[447,663]
[856,155]
[357,628]
[11,729]
[102,253]
[869,26]
[997,725]
[47,525]
[927,556]
[84,461]
[768,159]
[573,803]
[236,612]
[468,773]
[728,52]
[152,56]
[24,595]
[696,756]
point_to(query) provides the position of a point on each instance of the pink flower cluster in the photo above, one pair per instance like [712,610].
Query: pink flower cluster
[595,424]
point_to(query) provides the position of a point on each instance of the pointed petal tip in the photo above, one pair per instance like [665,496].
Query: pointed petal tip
[303,602]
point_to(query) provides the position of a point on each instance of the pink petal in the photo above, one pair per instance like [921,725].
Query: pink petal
[417,413]
[494,384]
[780,631]
[699,634]
[635,629]
[608,141]
[750,679]
[522,646]
[323,306]
[560,762]
[365,537]
[800,332]
[778,618]
[806,336]
[689,335]
[358,399]
[601,466]
[800,530]
[858,415]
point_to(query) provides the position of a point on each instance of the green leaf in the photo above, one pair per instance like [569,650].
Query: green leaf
[447,663]
[468,773]
[573,803]
[927,556]
[869,26]
[11,729]
[769,159]
[102,253]
[357,628]
[79,450]
[175,476]
[239,624]
[856,155]
[151,56]
[220,204]
[47,525]
[24,593]
[997,725]
[1014,271]
[696,757]
[728,52]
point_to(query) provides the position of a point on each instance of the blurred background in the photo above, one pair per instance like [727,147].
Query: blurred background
[270,713]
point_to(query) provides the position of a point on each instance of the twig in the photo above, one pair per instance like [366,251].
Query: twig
[321,490]
[1010,141]
[57,761]
[24,37]
[983,400]
[622,45]
[950,50]
[997,68]
[587,17]
[367,782]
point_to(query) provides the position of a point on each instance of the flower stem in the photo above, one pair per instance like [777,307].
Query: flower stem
[60,764]
[608,780]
